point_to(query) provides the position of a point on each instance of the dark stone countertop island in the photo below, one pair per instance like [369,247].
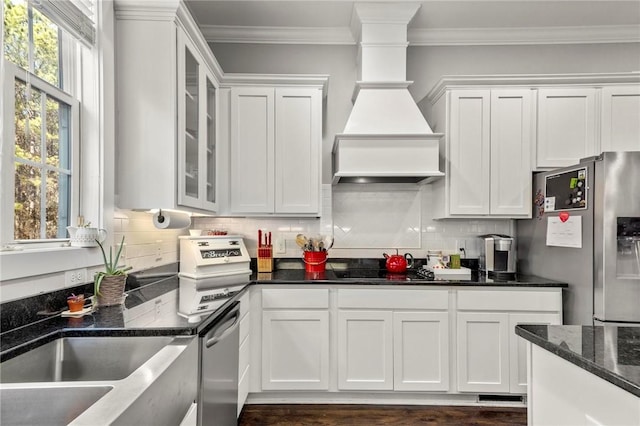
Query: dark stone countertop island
[611,352]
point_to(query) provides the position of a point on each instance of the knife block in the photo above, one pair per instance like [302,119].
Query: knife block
[265,259]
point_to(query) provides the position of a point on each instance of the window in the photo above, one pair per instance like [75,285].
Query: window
[40,162]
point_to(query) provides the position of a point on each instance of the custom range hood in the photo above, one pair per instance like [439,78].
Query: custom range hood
[386,138]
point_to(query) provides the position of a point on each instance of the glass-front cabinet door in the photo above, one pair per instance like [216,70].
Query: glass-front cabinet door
[210,196]
[191,133]
[197,129]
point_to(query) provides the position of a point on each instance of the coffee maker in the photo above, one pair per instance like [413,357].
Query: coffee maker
[497,256]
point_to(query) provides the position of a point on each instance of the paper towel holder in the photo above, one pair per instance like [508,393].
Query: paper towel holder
[160,217]
[168,219]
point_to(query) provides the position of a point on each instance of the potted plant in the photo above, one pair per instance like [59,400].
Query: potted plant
[75,302]
[109,284]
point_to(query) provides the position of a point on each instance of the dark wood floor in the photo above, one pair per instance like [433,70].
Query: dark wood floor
[354,415]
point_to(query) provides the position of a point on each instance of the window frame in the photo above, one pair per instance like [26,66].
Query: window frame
[94,87]
[12,73]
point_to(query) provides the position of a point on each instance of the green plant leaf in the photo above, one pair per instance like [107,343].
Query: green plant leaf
[110,265]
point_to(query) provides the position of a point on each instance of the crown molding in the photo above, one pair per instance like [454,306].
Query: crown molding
[190,26]
[277,35]
[151,10]
[427,37]
[247,79]
[524,35]
[529,81]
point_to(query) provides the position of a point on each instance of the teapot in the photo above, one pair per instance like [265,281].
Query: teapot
[86,237]
[397,263]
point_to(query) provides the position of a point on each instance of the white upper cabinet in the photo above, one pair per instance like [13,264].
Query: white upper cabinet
[512,137]
[166,110]
[196,129]
[621,118]
[566,126]
[506,126]
[488,153]
[252,150]
[275,150]
[469,152]
[298,150]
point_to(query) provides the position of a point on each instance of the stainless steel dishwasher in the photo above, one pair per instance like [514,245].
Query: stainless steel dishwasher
[218,359]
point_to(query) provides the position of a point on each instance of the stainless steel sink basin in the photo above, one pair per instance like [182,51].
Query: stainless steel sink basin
[89,381]
[58,405]
[71,359]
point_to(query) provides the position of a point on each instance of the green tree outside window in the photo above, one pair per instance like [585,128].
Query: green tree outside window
[42,138]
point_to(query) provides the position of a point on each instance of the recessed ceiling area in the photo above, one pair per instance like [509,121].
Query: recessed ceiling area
[436,22]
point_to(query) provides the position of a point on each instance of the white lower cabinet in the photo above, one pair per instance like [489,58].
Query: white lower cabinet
[421,351]
[295,339]
[402,339]
[490,357]
[393,340]
[483,352]
[365,350]
[518,347]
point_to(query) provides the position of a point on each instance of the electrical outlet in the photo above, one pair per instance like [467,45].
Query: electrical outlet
[281,247]
[75,277]
[461,245]
[158,250]
[81,275]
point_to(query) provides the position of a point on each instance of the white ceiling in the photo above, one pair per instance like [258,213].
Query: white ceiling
[437,22]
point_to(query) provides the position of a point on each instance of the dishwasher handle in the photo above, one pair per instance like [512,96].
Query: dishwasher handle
[230,323]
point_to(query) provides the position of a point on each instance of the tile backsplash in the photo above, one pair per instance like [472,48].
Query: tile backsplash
[369,220]
[145,245]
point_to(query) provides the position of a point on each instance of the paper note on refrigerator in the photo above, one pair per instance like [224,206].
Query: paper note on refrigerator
[564,234]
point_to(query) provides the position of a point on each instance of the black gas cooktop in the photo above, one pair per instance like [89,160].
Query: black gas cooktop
[410,275]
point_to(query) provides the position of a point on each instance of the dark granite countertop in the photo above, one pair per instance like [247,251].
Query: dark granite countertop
[26,325]
[373,277]
[121,320]
[372,272]
[610,352]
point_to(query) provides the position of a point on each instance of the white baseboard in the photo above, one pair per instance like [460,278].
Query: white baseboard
[378,398]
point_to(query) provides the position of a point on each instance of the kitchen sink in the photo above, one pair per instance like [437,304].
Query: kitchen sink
[49,406]
[71,359]
[87,381]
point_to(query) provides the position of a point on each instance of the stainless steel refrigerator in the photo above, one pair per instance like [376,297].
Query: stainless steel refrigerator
[585,231]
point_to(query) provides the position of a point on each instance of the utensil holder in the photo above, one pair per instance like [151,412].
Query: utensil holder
[314,261]
[265,259]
